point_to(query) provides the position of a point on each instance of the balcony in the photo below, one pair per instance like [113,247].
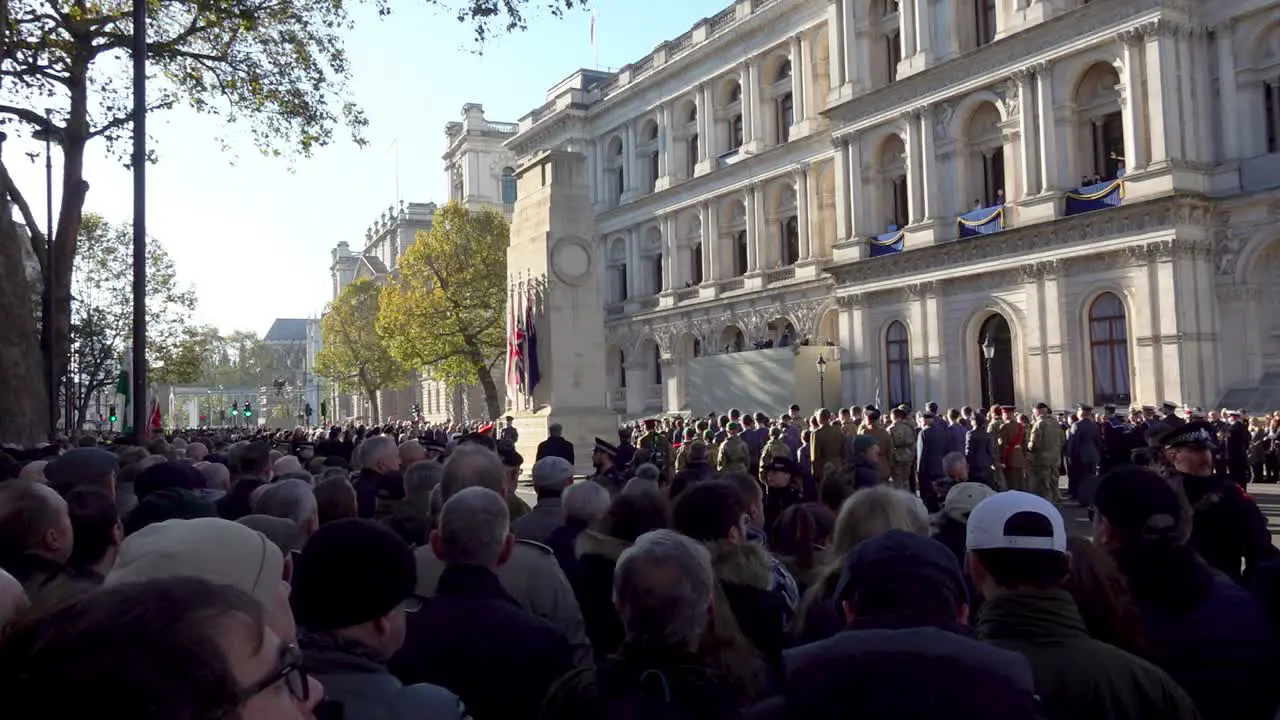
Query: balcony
[686,294]
[732,284]
[982,221]
[1098,196]
[780,275]
[618,400]
[886,243]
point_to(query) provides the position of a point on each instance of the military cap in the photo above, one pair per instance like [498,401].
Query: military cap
[605,447]
[1168,406]
[1008,408]
[1234,413]
[1148,408]
[734,426]
[650,422]
[1043,406]
[1109,409]
[1084,407]
[1196,433]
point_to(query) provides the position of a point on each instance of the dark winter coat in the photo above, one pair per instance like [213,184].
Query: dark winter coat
[358,686]
[597,555]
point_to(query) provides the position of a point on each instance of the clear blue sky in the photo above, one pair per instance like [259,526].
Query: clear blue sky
[254,237]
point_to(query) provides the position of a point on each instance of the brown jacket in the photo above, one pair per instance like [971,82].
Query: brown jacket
[1012,439]
[886,446]
[826,445]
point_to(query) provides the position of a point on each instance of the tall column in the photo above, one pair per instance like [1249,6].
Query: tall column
[835,42]
[907,27]
[629,158]
[671,262]
[799,103]
[664,141]
[1189,130]
[840,171]
[928,162]
[755,226]
[601,191]
[924,27]
[859,208]
[801,175]
[707,114]
[710,242]
[1227,90]
[751,100]
[915,184]
[1049,171]
[851,53]
[1133,98]
[635,276]
[1202,47]
[1163,111]
[673,369]
[1027,131]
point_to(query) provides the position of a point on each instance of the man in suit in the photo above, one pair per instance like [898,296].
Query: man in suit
[555,445]
[1084,449]
[932,445]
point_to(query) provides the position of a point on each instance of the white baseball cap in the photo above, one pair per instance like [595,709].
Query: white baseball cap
[1016,520]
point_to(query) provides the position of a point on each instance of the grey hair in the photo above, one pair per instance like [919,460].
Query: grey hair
[473,465]
[586,501]
[289,499]
[874,511]
[952,460]
[555,430]
[422,477]
[474,524]
[662,587]
[648,471]
[375,447]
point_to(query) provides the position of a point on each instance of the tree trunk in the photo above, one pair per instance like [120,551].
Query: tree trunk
[375,411]
[486,383]
[25,418]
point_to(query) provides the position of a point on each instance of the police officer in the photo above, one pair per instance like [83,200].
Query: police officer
[509,433]
[1227,527]
[781,477]
[603,457]
[658,445]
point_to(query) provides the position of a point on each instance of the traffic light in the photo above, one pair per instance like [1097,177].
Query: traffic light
[248,411]
[111,412]
[235,408]
[308,411]
[324,408]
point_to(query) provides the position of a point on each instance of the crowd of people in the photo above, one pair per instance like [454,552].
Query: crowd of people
[851,563]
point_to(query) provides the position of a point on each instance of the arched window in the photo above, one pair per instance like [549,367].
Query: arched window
[735,95]
[695,264]
[790,241]
[622,368]
[657,366]
[653,133]
[508,186]
[784,71]
[897,352]
[1109,349]
[693,154]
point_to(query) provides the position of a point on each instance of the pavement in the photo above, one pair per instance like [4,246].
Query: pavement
[1077,518]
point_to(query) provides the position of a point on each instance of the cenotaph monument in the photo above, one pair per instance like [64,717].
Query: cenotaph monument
[553,251]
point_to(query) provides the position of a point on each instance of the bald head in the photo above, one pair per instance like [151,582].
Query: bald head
[197,451]
[380,454]
[473,465]
[12,599]
[411,451]
[33,471]
[285,465]
[216,475]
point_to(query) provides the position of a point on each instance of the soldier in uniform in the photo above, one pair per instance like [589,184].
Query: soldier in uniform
[603,457]
[734,455]
[774,448]
[713,450]
[1227,528]
[826,446]
[871,426]
[902,447]
[509,432]
[993,431]
[659,448]
[1012,441]
[1045,449]
[682,452]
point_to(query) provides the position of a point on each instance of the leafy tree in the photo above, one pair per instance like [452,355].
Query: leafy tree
[444,309]
[102,313]
[356,357]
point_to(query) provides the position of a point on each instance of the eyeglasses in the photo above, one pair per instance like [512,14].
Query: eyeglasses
[289,671]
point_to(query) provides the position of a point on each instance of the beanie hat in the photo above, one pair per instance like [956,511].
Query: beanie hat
[171,503]
[863,443]
[167,475]
[351,572]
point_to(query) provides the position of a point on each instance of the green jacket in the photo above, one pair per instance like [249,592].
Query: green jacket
[1077,677]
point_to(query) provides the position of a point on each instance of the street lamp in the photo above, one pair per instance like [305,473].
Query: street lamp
[989,352]
[822,381]
[49,135]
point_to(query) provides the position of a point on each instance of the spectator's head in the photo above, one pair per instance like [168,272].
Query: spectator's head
[711,511]
[96,527]
[875,511]
[421,478]
[251,459]
[473,465]
[380,454]
[865,446]
[282,532]
[662,589]
[902,572]
[169,474]
[352,580]
[801,532]
[285,465]
[1136,509]
[963,497]
[752,494]
[474,529]
[13,599]
[411,451]
[33,521]
[335,499]
[555,430]
[216,550]
[177,647]
[552,476]
[197,451]
[216,476]
[292,500]
[1016,541]
[631,515]
[83,467]
[33,471]
[585,502]
[956,467]
[168,503]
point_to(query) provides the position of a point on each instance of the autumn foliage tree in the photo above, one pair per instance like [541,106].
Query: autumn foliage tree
[355,356]
[444,310]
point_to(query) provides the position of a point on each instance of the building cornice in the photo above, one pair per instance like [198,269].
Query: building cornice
[1069,33]
[1076,236]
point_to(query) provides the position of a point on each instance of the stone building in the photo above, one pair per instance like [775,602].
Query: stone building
[963,201]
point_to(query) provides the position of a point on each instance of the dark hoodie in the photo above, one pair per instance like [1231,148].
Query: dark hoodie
[597,555]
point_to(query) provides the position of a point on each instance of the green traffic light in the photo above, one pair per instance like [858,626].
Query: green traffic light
[113,418]
[234,412]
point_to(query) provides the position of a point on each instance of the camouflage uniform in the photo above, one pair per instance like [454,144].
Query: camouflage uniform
[1045,449]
